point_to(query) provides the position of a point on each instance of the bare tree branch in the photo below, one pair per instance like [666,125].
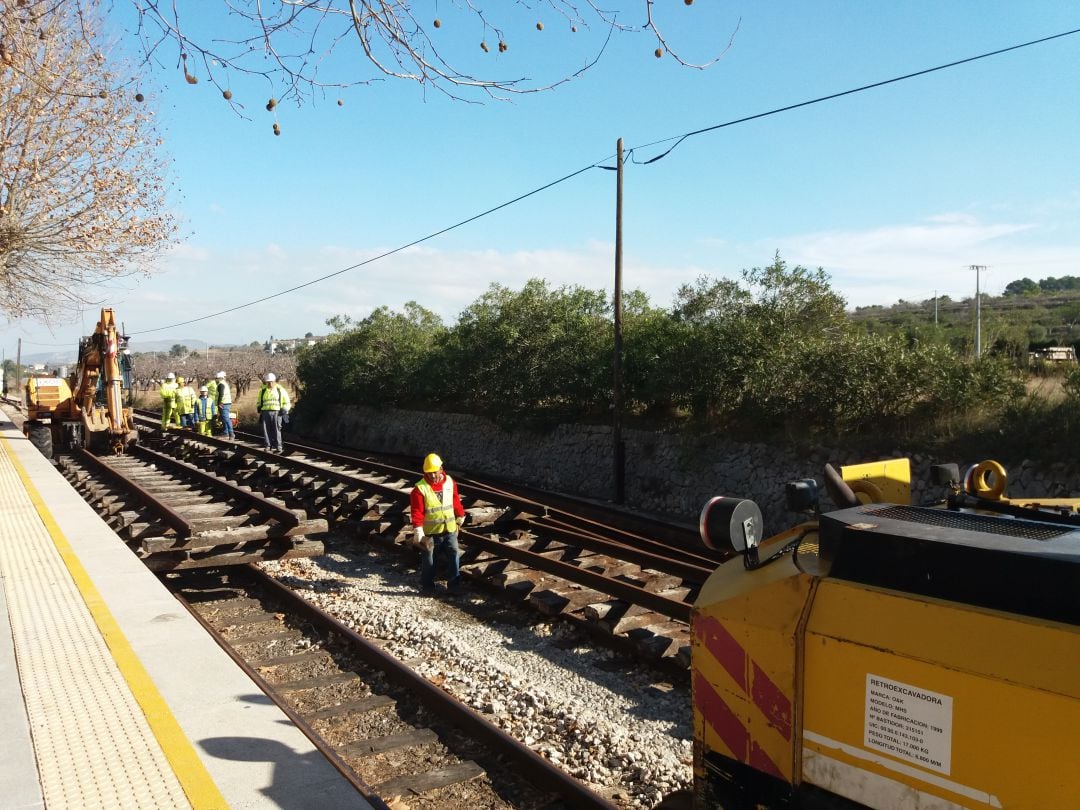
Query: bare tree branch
[290,42]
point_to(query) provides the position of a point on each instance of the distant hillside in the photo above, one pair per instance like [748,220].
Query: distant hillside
[68,357]
[1013,323]
[193,344]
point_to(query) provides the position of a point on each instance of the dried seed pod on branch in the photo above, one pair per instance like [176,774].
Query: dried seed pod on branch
[298,44]
[82,178]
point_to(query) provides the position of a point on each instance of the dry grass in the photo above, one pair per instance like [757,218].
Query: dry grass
[1050,389]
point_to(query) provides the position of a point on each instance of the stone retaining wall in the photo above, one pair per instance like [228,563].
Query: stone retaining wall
[667,473]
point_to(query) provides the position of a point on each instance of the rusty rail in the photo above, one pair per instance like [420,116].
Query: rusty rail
[167,514]
[257,502]
[528,763]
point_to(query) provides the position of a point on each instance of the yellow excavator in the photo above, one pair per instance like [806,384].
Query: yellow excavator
[891,655]
[90,408]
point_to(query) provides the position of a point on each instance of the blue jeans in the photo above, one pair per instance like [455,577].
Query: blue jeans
[447,545]
[226,421]
[187,420]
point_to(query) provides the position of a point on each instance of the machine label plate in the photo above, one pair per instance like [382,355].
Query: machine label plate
[909,723]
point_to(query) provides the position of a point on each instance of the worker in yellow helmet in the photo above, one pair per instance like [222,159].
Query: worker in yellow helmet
[185,403]
[168,400]
[437,514]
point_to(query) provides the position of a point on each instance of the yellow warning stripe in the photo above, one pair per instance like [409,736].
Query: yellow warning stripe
[190,771]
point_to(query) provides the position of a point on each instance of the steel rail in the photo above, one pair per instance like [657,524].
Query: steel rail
[316,739]
[699,562]
[166,513]
[694,573]
[672,608]
[663,605]
[542,502]
[300,466]
[533,767]
[257,502]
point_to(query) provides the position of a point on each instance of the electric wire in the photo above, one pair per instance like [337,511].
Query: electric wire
[373,258]
[679,139]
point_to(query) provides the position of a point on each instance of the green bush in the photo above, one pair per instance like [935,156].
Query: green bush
[376,361]
[773,353]
[537,349]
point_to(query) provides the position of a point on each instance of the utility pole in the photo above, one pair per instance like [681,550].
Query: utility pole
[18,370]
[619,471]
[978,268]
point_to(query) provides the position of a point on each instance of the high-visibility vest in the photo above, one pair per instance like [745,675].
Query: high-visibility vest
[224,394]
[168,390]
[186,395]
[211,389]
[204,408]
[438,507]
[273,399]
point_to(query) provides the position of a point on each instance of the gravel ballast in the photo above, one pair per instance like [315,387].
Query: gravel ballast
[610,721]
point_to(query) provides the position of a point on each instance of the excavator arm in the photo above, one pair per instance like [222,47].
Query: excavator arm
[98,384]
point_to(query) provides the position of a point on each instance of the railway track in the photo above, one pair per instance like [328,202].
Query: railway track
[633,589]
[175,516]
[392,732]
[181,500]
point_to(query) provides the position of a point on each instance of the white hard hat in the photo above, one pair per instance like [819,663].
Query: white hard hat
[170,376]
[203,388]
[269,377]
[220,375]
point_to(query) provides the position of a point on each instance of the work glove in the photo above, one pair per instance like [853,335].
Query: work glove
[425,543]
[284,416]
[461,520]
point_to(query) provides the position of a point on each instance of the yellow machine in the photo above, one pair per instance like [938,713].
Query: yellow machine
[88,409]
[887,655]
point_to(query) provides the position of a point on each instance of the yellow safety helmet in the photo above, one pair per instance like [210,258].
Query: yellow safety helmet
[432,463]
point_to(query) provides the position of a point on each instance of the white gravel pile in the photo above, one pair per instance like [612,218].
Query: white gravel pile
[623,730]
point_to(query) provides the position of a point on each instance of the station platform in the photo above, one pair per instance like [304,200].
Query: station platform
[111,694]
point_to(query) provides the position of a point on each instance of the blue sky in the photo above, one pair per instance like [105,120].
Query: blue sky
[893,191]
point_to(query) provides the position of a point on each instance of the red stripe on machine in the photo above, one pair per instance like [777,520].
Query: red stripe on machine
[717,714]
[723,647]
[774,704]
[761,761]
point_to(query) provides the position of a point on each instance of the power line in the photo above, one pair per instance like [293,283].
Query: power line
[678,140]
[373,258]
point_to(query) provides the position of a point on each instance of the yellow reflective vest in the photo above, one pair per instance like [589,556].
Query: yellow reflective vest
[273,399]
[438,507]
[168,390]
[186,399]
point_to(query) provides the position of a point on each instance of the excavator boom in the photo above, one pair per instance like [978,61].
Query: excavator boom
[95,415]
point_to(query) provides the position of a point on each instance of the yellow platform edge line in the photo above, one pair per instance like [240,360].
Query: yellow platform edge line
[190,771]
